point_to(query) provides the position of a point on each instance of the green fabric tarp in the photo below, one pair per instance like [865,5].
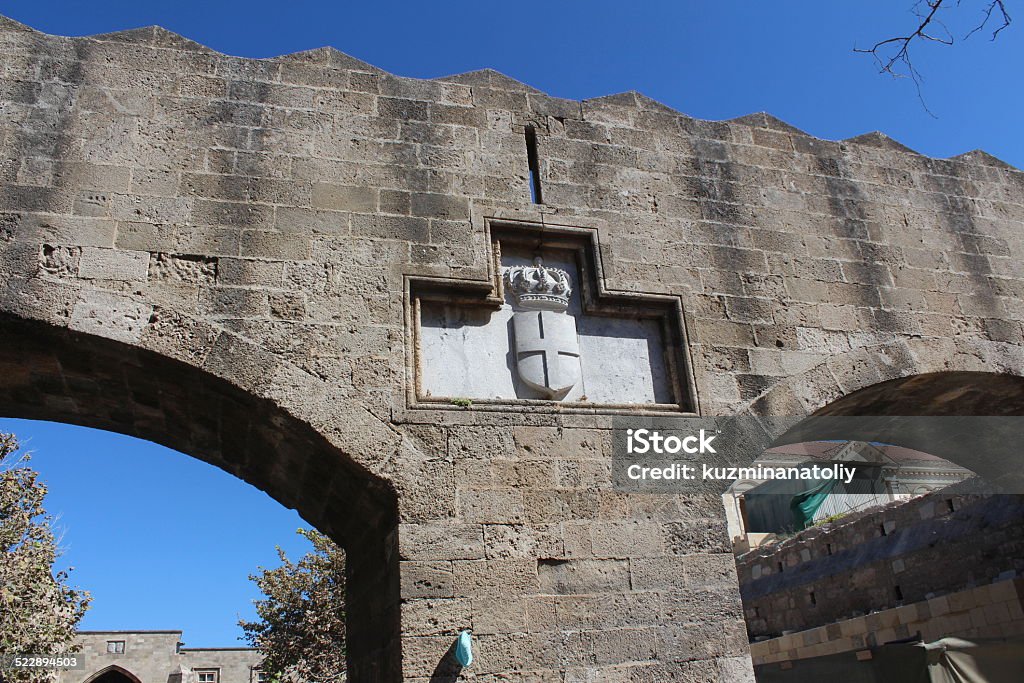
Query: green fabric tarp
[950,660]
[767,505]
[804,505]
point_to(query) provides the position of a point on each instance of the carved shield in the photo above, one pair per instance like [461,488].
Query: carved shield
[547,351]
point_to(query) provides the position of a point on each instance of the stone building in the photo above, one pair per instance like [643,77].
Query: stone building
[159,657]
[946,564]
[757,510]
[303,270]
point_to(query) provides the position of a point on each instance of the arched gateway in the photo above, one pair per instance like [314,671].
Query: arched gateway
[114,674]
[336,284]
[49,373]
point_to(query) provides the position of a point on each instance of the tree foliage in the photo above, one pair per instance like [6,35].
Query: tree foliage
[301,625]
[39,612]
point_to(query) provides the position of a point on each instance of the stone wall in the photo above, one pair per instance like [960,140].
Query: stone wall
[878,559]
[150,656]
[992,611]
[233,665]
[157,657]
[215,253]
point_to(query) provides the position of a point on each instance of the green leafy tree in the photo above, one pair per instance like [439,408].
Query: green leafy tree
[39,612]
[301,626]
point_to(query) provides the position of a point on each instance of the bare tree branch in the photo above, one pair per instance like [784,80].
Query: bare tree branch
[892,55]
[1003,16]
[902,55]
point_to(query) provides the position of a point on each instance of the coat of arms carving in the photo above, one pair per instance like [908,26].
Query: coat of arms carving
[547,350]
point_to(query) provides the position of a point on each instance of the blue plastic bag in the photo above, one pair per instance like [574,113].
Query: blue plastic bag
[464,648]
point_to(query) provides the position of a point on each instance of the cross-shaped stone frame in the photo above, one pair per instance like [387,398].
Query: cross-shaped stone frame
[596,300]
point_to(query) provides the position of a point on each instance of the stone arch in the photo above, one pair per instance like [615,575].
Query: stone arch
[937,394]
[844,374]
[901,384]
[214,396]
[113,674]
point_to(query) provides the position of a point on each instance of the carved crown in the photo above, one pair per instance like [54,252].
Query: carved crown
[539,287]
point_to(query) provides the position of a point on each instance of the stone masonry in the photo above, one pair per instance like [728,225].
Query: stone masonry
[882,558]
[158,657]
[994,610]
[215,253]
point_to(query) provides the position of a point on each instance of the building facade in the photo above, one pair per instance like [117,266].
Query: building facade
[758,510]
[158,657]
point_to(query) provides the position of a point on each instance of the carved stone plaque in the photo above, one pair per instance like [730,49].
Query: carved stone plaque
[540,343]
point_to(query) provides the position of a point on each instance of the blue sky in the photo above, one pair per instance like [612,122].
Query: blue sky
[165,541]
[161,540]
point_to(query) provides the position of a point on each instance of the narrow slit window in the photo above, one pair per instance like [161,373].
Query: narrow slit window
[533,161]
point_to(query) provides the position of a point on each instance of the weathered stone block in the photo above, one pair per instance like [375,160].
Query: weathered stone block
[494,578]
[274,245]
[437,616]
[344,198]
[177,268]
[428,579]
[583,576]
[442,541]
[110,315]
[113,264]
